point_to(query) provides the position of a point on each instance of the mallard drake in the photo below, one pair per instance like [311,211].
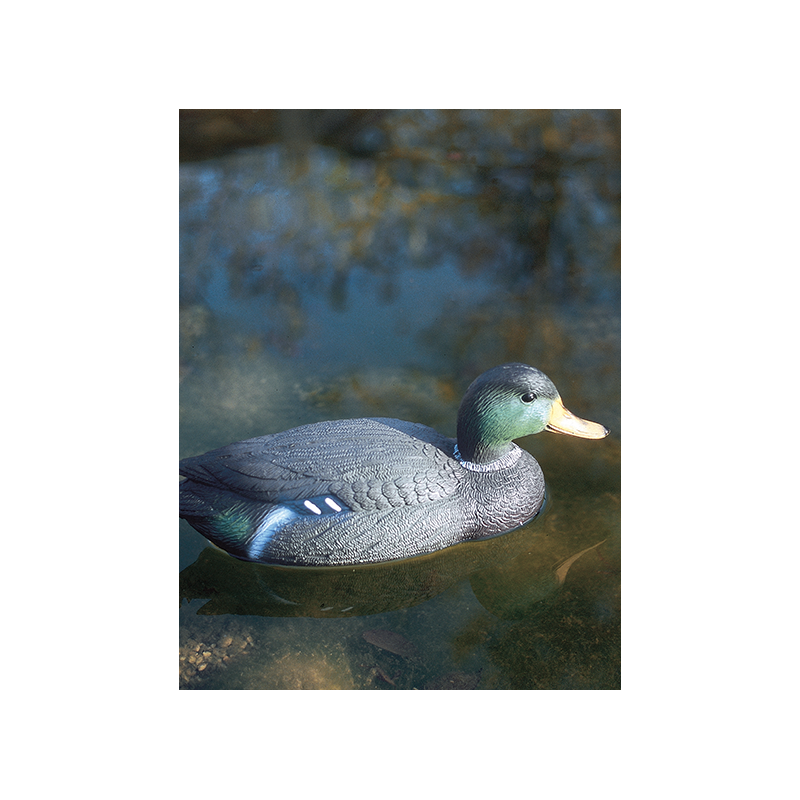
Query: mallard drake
[359,491]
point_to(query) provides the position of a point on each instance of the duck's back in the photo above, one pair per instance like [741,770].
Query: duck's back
[348,492]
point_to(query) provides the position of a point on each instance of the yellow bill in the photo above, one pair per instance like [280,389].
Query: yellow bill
[563,421]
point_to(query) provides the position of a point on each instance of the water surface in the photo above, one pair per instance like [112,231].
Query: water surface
[318,286]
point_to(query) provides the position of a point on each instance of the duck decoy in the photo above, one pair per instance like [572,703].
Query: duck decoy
[360,491]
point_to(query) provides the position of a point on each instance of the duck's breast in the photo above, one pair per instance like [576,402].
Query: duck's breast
[504,499]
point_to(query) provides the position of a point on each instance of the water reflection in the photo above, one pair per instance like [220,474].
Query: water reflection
[282,243]
[239,587]
[508,575]
[518,590]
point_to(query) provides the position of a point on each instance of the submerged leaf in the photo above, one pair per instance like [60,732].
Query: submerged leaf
[563,568]
[391,641]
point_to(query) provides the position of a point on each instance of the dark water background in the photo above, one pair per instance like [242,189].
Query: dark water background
[348,264]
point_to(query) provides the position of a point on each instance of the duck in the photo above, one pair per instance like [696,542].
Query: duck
[371,490]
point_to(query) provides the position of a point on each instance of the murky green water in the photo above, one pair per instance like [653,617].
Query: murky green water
[319,286]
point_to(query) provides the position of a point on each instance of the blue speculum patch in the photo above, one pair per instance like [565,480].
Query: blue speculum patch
[285,513]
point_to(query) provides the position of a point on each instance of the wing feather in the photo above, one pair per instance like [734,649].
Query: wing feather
[369,463]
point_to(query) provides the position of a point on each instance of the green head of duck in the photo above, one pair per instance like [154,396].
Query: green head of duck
[509,402]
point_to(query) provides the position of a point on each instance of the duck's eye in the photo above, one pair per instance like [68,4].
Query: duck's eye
[528,397]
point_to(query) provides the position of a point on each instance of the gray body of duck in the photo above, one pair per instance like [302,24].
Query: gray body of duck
[371,490]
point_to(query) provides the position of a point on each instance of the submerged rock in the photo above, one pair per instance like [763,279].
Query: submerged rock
[197,655]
